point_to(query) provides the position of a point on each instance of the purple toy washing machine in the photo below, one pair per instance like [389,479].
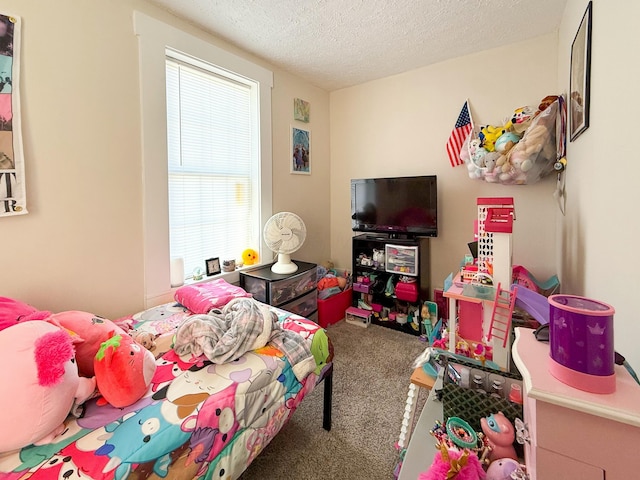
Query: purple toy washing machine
[581,343]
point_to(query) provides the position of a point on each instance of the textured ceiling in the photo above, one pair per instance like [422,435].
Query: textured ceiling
[339,43]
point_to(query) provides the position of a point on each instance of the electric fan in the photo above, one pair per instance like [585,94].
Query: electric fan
[284,233]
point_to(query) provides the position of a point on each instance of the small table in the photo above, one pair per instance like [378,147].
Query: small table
[419,379]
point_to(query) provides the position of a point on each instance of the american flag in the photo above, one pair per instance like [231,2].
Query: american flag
[459,135]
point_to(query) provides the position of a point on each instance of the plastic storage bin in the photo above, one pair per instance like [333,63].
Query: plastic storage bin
[332,309]
[402,259]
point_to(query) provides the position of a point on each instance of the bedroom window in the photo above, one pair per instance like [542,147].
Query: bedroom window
[213,162]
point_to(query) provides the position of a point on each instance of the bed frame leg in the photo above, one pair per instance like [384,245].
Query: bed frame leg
[328,394]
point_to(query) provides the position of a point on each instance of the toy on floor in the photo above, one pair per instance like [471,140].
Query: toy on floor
[500,435]
[41,373]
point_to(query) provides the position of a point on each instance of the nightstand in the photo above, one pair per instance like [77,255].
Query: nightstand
[295,292]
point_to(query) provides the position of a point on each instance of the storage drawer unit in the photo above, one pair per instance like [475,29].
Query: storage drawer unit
[296,292]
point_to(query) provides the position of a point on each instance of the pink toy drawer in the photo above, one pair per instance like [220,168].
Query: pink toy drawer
[361,287]
[407,291]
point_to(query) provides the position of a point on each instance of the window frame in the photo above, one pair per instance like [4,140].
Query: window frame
[155,38]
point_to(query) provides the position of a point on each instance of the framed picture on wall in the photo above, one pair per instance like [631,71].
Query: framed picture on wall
[300,151]
[301,110]
[579,79]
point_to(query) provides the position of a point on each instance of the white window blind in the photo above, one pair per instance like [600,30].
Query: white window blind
[212,206]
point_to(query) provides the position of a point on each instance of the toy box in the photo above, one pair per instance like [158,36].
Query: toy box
[358,316]
[407,291]
[332,309]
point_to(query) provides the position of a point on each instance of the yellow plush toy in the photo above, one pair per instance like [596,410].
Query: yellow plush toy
[249,257]
[489,134]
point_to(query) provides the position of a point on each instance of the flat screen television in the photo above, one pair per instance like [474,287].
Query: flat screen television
[405,205]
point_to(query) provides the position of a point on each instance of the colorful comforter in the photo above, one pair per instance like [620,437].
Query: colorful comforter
[198,419]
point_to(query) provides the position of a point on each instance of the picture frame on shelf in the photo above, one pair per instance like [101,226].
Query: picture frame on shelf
[580,77]
[213,266]
[300,151]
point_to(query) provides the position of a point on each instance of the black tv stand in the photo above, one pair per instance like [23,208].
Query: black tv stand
[364,246]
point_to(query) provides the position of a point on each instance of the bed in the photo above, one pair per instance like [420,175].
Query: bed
[197,420]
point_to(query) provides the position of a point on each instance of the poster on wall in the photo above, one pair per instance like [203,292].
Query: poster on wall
[12,187]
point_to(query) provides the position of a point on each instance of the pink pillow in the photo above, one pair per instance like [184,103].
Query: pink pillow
[203,297]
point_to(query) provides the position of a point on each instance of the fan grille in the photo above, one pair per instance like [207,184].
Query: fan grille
[285,232]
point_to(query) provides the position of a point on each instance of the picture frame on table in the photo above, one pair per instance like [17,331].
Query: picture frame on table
[580,77]
[300,160]
[213,266]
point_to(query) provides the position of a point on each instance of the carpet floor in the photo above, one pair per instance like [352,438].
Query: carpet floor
[372,367]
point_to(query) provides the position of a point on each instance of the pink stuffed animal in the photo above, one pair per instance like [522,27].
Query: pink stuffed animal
[453,463]
[92,329]
[40,381]
[500,435]
[123,370]
[12,311]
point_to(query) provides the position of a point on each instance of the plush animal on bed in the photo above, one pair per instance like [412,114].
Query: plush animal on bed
[39,370]
[124,370]
[92,329]
[13,311]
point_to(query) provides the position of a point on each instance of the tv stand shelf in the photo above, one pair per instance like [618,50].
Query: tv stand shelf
[376,287]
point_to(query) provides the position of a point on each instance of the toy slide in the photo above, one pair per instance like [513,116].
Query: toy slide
[533,303]
[524,277]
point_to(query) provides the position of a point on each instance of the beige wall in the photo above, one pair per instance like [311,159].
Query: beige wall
[598,237]
[306,195]
[399,126]
[80,247]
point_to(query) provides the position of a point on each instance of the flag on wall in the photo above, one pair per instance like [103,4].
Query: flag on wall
[460,132]
[12,188]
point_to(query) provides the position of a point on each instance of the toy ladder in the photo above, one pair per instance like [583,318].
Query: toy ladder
[503,304]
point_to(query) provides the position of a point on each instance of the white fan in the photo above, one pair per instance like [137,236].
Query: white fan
[284,233]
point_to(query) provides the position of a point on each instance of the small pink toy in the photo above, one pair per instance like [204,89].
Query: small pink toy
[454,464]
[502,469]
[500,435]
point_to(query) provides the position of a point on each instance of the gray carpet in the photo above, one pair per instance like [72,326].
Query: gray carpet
[372,367]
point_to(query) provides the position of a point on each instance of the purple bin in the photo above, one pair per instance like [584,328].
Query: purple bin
[581,340]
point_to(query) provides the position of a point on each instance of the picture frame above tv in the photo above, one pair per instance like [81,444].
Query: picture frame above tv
[395,205]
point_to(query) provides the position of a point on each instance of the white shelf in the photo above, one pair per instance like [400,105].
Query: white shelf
[422,449]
